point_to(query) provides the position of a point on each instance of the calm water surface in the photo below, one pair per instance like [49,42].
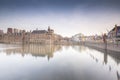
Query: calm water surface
[50,62]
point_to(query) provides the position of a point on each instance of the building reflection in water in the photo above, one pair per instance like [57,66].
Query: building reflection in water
[80,49]
[35,50]
[118,75]
[100,56]
[105,57]
[114,56]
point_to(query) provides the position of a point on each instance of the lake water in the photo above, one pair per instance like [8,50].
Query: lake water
[50,62]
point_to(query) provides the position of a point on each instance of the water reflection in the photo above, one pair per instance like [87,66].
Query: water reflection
[118,75]
[79,48]
[112,55]
[105,57]
[34,50]
[67,63]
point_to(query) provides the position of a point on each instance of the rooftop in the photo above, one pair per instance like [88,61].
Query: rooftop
[39,31]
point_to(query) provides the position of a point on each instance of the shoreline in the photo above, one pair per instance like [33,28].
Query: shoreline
[111,48]
[93,44]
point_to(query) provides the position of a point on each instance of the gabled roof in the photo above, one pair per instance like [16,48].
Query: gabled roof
[39,31]
[118,27]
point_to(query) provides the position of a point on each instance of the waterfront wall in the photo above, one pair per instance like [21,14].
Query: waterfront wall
[110,46]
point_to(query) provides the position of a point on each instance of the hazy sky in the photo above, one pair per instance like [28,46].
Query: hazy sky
[66,17]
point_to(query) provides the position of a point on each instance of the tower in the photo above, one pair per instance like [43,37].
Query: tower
[48,28]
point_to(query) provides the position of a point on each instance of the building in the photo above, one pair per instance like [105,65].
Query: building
[9,31]
[50,31]
[115,33]
[35,36]
[42,36]
[78,37]
[1,32]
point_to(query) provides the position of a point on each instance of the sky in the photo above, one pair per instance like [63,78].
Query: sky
[66,17]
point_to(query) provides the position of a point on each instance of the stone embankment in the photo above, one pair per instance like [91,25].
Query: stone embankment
[110,46]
